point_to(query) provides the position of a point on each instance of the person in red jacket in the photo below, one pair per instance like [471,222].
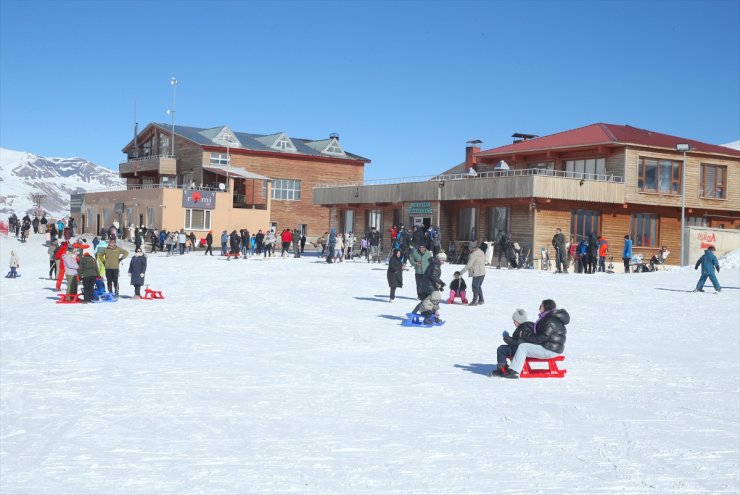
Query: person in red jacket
[603,251]
[61,251]
[286,238]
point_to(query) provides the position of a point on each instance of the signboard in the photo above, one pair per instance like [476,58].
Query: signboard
[205,200]
[420,208]
[75,203]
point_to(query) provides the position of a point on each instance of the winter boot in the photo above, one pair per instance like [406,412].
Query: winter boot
[499,370]
[510,373]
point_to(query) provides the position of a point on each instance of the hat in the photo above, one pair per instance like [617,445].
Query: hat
[472,245]
[519,315]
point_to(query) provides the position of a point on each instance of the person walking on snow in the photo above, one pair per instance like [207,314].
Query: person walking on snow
[476,267]
[112,257]
[561,261]
[395,273]
[627,253]
[709,263]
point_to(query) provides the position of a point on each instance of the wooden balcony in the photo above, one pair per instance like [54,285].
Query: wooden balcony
[512,184]
[160,165]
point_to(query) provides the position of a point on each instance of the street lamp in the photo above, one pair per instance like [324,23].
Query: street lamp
[683,147]
[171,113]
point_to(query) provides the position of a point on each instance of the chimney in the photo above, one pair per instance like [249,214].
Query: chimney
[334,135]
[471,149]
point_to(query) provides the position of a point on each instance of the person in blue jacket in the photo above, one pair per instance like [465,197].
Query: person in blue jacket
[627,253]
[708,263]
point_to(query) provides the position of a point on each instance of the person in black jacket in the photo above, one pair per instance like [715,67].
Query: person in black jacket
[395,273]
[209,243]
[429,289]
[546,341]
[524,330]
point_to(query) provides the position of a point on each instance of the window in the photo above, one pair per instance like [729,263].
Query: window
[198,219]
[348,221]
[149,218]
[333,148]
[219,159]
[106,218]
[468,225]
[375,219]
[697,222]
[713,181]
[661,176]
[129,216]
[88,218]
[498,221]
[644,229]
[544,168]
[287,189]
[582,223]
[589,168]
[283,144]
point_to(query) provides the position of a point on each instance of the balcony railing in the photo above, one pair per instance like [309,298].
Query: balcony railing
[483,175]
[503,184]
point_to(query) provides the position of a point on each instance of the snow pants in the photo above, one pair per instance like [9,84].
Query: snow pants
[712,277]
[529,350]
[478,288]
[460,294]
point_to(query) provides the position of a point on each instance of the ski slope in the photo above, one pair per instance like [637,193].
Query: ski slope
[294,376]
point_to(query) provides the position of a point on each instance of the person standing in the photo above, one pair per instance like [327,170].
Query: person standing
[476,267]
[395,273]
[70,268]
[420,261]
[88,273]
[627,253]
[296,243]
[561,261]
[374,238]
[209,243]
[303,242]
[603,251]
[137,270]
[52,260]
[181,238]
[708,263]
[112,257]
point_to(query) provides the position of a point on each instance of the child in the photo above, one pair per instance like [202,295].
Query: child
[708,263]
[457,289]
[14,264]
[523,330]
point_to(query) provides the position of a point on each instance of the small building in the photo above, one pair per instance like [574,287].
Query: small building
[607,179]
[201,179]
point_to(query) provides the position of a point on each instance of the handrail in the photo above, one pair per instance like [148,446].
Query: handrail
[151,157]
[137,187]
[484,175]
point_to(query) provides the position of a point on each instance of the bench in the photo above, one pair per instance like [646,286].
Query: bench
[153,294]
[551,371]
[68,298]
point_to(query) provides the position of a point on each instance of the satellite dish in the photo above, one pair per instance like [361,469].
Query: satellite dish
[222,186]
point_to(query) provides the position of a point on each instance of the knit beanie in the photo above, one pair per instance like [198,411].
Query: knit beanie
[519,315]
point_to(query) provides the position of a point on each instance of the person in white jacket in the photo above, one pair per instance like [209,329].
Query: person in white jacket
[14,264]
[70,270]
[476,269]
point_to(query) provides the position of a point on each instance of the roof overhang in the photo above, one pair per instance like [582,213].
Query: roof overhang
[228,171]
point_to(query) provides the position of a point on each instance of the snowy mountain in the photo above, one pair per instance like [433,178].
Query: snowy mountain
[24,174]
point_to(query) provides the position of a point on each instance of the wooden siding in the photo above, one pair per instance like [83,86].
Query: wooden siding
[693,168]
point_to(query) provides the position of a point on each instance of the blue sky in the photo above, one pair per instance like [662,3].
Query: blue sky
[405,84]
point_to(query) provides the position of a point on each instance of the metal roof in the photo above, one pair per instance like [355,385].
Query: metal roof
[234,172]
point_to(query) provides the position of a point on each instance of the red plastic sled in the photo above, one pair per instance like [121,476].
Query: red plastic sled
[68,299]
[153,294]
[552,370]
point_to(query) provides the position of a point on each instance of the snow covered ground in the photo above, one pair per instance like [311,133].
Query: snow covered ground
[294,376]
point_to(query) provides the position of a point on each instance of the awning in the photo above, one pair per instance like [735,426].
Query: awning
[233,172]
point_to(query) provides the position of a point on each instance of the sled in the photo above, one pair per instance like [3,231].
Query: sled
[416,320]
[552,370]
[153,294]
[68,299]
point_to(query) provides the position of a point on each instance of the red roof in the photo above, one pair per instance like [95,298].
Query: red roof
[605,134]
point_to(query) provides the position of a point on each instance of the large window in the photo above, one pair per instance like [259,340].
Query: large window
[644,229]
[150,218]
[498,221]
[713,181]
[585,169]
[286,189]
[583,222]
[467,227]
[106,218]
[661,176]
[375,219]
[219,159]
[198,219]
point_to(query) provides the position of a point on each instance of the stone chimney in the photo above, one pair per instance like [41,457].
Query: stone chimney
[471,149]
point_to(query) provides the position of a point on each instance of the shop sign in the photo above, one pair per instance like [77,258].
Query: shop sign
[205,200]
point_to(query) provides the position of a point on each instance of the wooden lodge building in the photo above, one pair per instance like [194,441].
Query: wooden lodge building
[603,178]
[201,179]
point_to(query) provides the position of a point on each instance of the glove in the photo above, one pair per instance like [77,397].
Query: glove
[717,269]
[505,334]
